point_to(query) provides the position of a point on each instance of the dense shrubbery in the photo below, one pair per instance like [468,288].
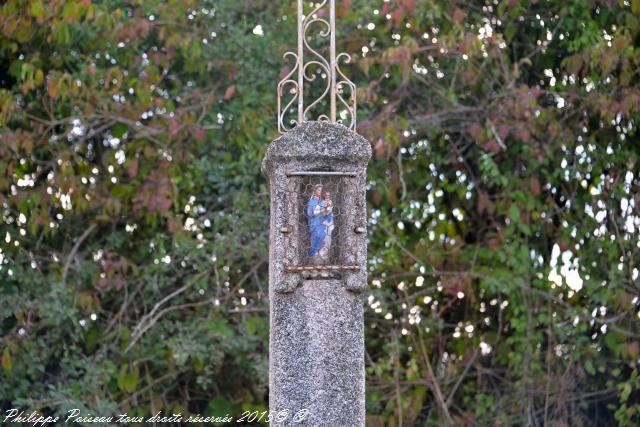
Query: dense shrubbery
[503,205]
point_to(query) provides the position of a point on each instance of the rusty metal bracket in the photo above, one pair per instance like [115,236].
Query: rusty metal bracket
[299,268]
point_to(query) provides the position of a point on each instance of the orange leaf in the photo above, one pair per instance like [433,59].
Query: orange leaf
[380,148]
[228,94]
[535,187]
[6,360]
[52,90]
[376,196]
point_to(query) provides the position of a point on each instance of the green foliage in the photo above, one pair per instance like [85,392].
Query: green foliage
[124,261]
[503,206]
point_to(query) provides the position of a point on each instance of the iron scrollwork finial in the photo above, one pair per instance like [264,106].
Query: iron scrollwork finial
[340,91]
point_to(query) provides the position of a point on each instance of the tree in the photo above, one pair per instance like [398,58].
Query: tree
[118,290]
[503,209]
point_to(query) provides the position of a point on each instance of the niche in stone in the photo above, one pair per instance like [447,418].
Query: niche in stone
[320,207]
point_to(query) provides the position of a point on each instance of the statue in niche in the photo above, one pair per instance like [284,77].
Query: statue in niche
[320,214]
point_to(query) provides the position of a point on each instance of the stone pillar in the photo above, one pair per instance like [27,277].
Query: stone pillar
[317,274]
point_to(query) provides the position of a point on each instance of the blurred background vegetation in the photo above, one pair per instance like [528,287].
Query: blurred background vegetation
[503,201]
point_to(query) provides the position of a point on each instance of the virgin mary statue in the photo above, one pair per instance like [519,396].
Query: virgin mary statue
[320,214]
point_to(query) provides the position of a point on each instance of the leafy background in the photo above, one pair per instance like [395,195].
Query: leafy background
[503,200]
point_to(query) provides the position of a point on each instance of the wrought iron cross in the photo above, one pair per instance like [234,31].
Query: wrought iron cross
[340,91]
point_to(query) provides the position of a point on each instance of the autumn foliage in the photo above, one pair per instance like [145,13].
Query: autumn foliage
[503,205]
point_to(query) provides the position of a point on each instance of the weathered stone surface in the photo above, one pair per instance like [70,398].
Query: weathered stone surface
[316,347]
[317,357]
[318,144]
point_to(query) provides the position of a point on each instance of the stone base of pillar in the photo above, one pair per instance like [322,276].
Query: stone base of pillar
[317,356]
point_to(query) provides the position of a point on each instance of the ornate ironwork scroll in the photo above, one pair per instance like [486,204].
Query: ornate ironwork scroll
[335,86]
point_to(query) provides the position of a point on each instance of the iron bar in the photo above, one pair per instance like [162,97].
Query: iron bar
[332,57]
[300,62]
[298,268]
[320,173]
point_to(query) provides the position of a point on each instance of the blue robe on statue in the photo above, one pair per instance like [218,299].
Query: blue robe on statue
[317,230]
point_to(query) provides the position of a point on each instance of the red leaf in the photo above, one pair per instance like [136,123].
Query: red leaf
[535,91]
[407,5]
[458,16]
[398,17]
[198,133]
[469,76]
[493,242]
[563,245]
[132,170]
[574,63]
[284,71]
[535,187]
[474,130]
[485,204]
[524,134]
[174,127]
[399,55]
[228,94]
[492,146]
[164,204]
[143,26]
[503,131]
[456,284]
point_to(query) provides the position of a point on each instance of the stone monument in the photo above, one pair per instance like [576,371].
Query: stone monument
[316,349]
[318,242]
